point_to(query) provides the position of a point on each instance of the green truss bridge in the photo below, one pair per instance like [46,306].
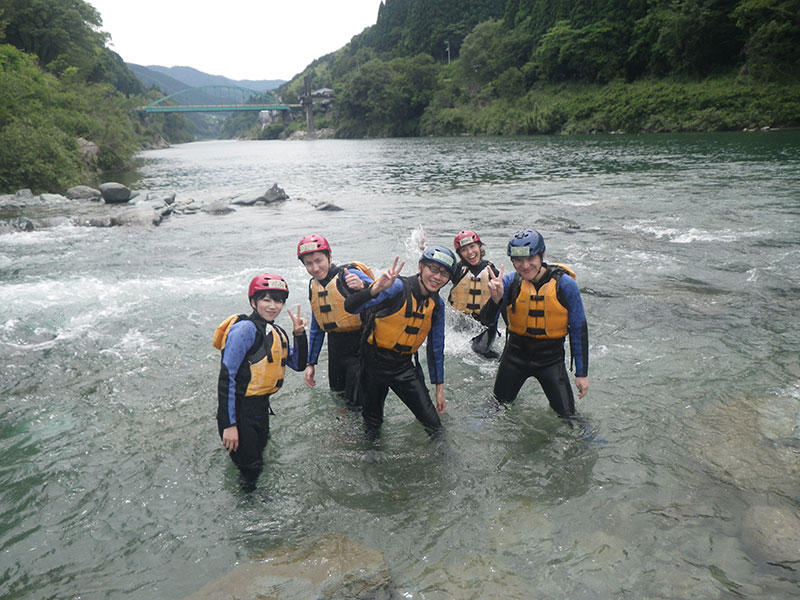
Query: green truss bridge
[217,98]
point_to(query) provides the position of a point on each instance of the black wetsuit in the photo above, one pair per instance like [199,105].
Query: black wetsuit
[382,369]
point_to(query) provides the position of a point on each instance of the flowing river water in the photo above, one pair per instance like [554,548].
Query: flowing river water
[113,482]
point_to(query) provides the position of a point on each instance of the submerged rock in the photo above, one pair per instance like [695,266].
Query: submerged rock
[331,568]
[323,205]
[772,535]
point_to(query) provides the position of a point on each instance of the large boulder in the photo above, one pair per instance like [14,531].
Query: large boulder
[83,192]
[333,568]
[771,534]
[114,193]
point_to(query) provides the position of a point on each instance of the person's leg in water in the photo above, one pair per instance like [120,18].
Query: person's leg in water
[408,383]
[511,375]
[343,365]
[555,383]
[482,343]
[249,457]
[372,391]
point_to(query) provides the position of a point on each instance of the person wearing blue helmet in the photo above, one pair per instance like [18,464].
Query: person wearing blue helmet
[399,314]
[542,305]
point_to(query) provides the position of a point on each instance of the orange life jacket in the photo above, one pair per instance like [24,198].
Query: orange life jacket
[267,359]
[538,313]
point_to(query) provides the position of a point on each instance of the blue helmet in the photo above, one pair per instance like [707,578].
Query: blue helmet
[526,242]
[440,254]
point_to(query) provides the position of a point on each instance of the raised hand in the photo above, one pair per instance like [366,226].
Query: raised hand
[353,281]
[496,285]
[298,322]
[386,279]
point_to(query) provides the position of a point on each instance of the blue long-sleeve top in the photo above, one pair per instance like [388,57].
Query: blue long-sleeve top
[576,320]
[316,333]
[241,337]
[363,300]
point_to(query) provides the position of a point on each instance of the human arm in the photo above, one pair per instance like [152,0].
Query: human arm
[440,401]
[299,352]
[435,344]
[578,332]
[384,287]
[316,339]
[240,339]
[498,296]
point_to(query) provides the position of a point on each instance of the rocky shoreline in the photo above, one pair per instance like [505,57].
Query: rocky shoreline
[114,204]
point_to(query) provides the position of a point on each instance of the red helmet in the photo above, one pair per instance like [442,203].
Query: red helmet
[312,243]
[267,281]
[465,237]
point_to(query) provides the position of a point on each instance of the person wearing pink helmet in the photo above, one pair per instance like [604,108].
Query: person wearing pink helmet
[327,290]
[470,290]
[255,352]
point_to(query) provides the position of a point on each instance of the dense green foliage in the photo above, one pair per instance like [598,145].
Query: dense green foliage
[528,66]
[61,87]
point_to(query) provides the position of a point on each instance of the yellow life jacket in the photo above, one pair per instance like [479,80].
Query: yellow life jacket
[327,302]
[538,314]
[471,292]
[404,330]
[267,359]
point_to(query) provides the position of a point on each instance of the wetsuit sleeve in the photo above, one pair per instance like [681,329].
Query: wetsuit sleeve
[576,323]
[363,299]
[435,345]
[491,311]
[239,341]
[317,337]
[298,352]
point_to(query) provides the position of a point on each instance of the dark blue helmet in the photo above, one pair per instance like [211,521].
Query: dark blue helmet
[440,254]
[526,242]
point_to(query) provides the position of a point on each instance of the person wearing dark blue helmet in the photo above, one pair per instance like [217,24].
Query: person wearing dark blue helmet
[399,314]
[542,304]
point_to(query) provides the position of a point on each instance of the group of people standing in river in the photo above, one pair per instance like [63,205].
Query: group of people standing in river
[375,326]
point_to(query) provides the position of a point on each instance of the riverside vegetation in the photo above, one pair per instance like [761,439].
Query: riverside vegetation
[427,67]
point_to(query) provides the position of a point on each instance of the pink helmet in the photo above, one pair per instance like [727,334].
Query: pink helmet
[267,281]
[465,237]
[312,243]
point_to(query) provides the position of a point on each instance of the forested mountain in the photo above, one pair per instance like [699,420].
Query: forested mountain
[546,66]
[191,77]
[66,100]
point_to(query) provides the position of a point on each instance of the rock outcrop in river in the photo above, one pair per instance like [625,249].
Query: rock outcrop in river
[115,204]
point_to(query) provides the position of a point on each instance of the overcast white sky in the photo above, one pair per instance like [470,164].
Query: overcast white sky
[240,39]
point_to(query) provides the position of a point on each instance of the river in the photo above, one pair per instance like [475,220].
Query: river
[113,482]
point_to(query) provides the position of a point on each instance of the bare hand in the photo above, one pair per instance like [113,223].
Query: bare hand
[385,281]
[298,322]
[230,438]
[440,402]
[496,285]
[353,281]
[582,383]
[310,382]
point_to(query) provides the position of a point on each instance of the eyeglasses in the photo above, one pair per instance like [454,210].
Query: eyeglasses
[436,270]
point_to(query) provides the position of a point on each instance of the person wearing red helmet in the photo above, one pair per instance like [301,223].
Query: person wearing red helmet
[327,290]
[255,352]
[470,290]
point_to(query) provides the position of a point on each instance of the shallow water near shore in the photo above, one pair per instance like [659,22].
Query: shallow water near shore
[686,248]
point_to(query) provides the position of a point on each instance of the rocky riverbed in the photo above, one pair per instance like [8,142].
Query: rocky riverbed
[114,204]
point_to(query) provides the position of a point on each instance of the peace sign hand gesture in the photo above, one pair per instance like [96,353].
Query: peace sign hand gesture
[496,285]
[298,322]
[386,279]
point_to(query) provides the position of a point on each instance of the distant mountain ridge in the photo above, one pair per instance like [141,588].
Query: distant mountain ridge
[174,79]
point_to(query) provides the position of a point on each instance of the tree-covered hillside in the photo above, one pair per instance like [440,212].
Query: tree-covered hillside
[66,100]
[546,66]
